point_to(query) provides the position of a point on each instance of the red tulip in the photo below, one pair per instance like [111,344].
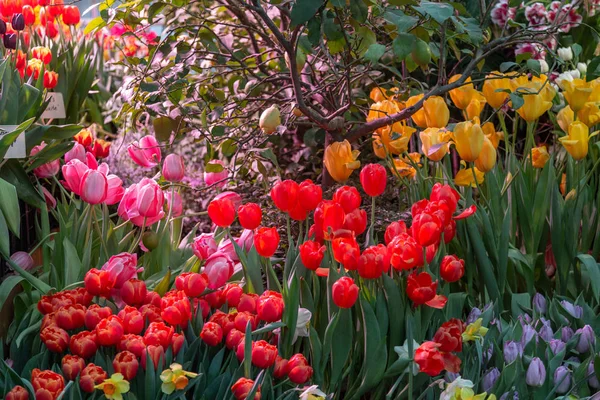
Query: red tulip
[134,292]
[221,212]
[269,306]
[250,215]
[373,262]
[212,334]
[373,178]
[429,358]
[173,169]
[109,331]
[449,335]
[233,292]
[242,388]
[316,232]
[176,308]
[28,15]
[426,229]
[446,193]
[83,344]
[405,252]
[215,299]
[177,341]
[394,229]
[234,337]
[132,343]
[101,149]
[266,241]
[333,217]
[356,221]
[133,321]
[449,231]
[18,393]
[311,254]
[420,289]
[347,197]
[157,356]
[47,384]
[242,319]
[247,302]
[71,317]
[344,292]
[50,79]
[71,366]
[158,334]
[98,282]
[263,354]
[195,284]
[299,371]
[95,314]
[55,338]
[285,195]
[310,195]
[346,252]
[91,376]
[281,368]
[126,363]
[298,213]
[452,268]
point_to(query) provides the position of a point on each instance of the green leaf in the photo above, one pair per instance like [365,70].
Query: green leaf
[438,11]
[304,10]
[9,205]
[374,52]
[73,267]
[593,69]
[517,101]
[593,270]
[359,10]
[403,22]
[366,38]
[94,24]
[164,284]
[403,45]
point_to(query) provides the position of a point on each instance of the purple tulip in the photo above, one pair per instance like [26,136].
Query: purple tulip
[539,303]
[566,334]
[587,339]
[490,379]
[546,332]
[473,315]
[575,311]
[512,351]
[23,260]
[529,333]
[556,346]
[592,380]
[536,373]
[562,380]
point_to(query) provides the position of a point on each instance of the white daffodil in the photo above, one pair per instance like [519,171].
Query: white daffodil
[302,324]
[457,384]
[312,393]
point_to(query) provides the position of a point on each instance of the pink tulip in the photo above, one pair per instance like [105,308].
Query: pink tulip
[226,247]
[122,267]
[141,202]
[218,268]
[173,168]
[217,179]
[115,190]
[93,187]
[146,152]
[23,260]
[73,171]
[232,196]
[177,209]
[204,246]
[47,170]
[246,240]
[90,160]
[50,200]
[77,152]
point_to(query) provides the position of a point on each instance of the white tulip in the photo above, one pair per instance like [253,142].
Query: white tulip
[565,53]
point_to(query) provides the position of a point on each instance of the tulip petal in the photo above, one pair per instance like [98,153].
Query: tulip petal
[467,212]
[439,301]
[323,272]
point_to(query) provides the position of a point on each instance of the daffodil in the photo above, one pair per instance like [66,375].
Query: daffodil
[312,393]
[474,331]
[114,387]
[175,378]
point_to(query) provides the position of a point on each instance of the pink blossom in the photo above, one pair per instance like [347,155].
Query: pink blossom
[47,170]
[115,190]
[142,203]
[73,172]
[177,209]
[173,168]
[538,52]
[23,260]
[145,152]
[565,17]
[217,179]
[501,13]
[204,246]
[50,200]
[90,160]
[246,240]
[93,187]
[122,267]
[536,14]
[226,247]
[77,152]
[218,268]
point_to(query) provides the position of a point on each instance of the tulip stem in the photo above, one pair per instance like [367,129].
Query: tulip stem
[371,234]
[97,226]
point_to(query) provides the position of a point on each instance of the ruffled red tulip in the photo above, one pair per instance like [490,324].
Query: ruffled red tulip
[373,178]
[242,319]
[373,262]
[95,314]
[72,366]
[281,368]
[429,358]
[311,254]
[195,284]
[347,197]
[47,384]
[133,320]
[173,169]
[126,363]
[132,343]
[346,252]
[152,298]
[250,216]
[419,288]
[71,316]
[83,344]
[247,302]
[109,331]
[449,335]
[91,376]
[158,334]
[18,393]
[234,337]
[426,229]
[263,354]
[233,292]
[133,292]
[285,195]
[177,341]
[269,306]
[215,299]
[446,193]
[55,339]
[157,356]
[242,388]
[146,152]
[452,268]
[98,282]
[299,371]
[405,252]
[266,241]
[176,308]
[310,195]
[212,334]
[344,292]
[356,221]
[221,212]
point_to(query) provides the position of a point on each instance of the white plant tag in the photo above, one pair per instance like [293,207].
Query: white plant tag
[56,107]
[17,148]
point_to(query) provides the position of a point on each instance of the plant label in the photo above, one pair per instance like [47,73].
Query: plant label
[56,106]
[17,148]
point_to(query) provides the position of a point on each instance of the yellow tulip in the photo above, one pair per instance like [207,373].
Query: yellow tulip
[589,114]
[378,147]
[468,139]
[490,132]
[534,106]
[487,157]
[576,142]
[383,109]
[493,82]
[539,156]
[564,118]
[379,94]
[340,160]
[404,167]
[437,113]
[419,118]
[576,92]
[542,85]
[476,105]
[595,85]
[434,143]
[461,96]
[464,177]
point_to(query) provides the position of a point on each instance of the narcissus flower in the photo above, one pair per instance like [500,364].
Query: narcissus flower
[175,378]
[576,142]
[474,331]
[468,139]
[340,160]
[539,156]
[114,387]
[434,143]
[344,292]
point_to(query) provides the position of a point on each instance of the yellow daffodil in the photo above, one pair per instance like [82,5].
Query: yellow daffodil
[340,160]
[476,105]
[114,387]
[462,95]
[465,177]
[474,331]
[576,92]
[496,81]
[589,114]
[539,156]
[419,118]
[576,142]
[487,157]
[175,378]
[462,389]
[437,113]
[435,143]
[468,139]
[564,118]
[491,133]
[404,166]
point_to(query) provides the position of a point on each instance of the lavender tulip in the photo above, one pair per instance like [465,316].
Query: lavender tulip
[512,350]
[575,311]
[562,380]
[490,379]
[566,334]
[473,315]
[539,303]
[536,373]
[587,339]
[592,380]
[556,346]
